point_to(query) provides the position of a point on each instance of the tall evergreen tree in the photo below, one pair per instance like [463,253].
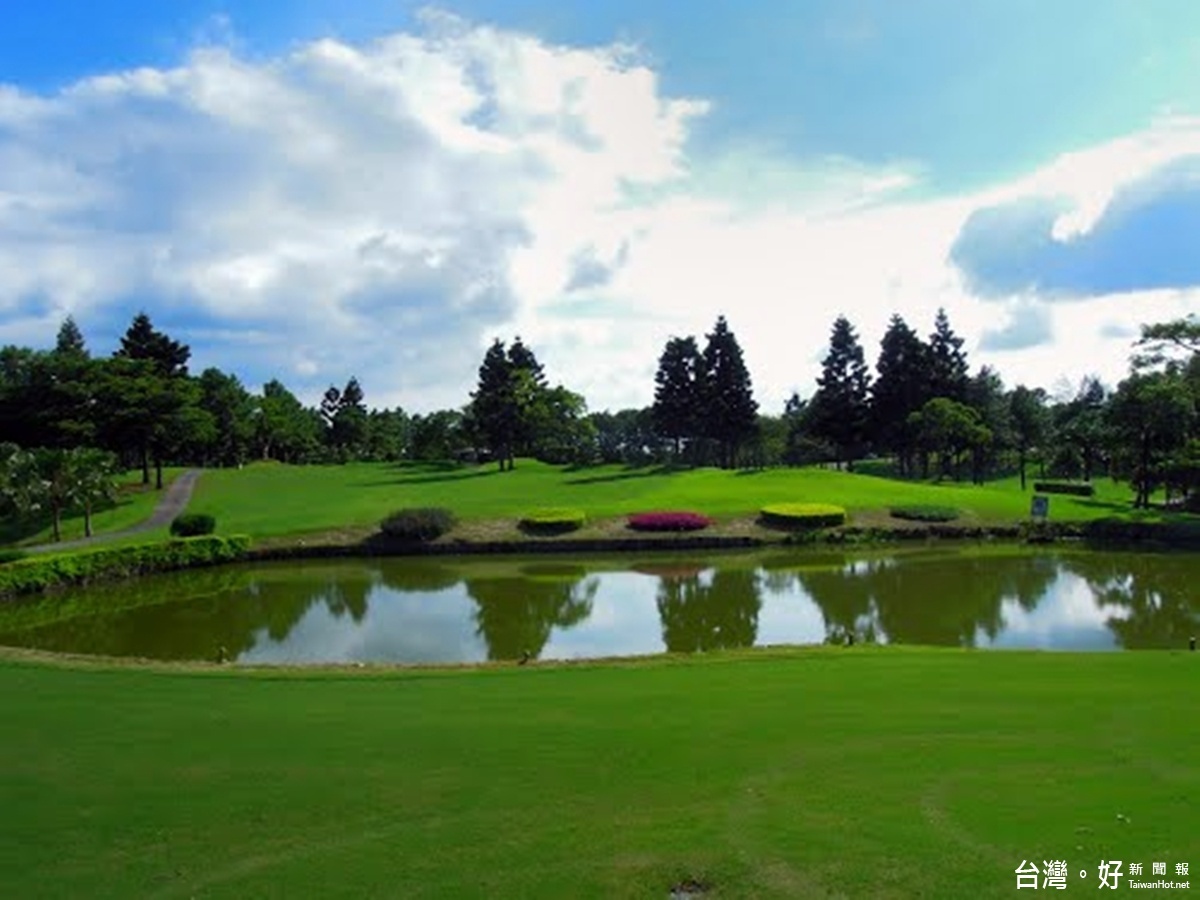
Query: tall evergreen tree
[900,390]
[331,402]
[730,412]
[70,340]
[840,407]
[493,404]
[143,341]
[947,363]
[678,403]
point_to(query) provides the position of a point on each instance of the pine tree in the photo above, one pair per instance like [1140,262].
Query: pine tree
[729,411]
[900,390]
[947,363]
[70,340]
[352,396]
[677,392]
[331,402]
[493,406]
[840,405]
[142,341]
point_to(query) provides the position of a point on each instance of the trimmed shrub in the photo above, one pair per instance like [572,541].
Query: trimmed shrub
[922,512]
[11,555]
[1074,488]
[418,524]
[668,521]
[43,572]
[803,515]
[553,521]
[193,525]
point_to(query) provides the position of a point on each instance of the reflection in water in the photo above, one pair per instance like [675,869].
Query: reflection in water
[718,615]
[516,614]
[406,610]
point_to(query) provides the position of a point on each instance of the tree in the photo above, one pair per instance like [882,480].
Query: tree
[494,404]
[348,426]
[947,363]
[331,402]
[143,341]
[949,429]
[284,429]
[94,472]
[1150,415]
[985,394]
[438,435]
[1164,338]
[840,406]
[1079,428]
[678,391]
[232,412]
[730,412]
[901,388]
[70,340]
[1028,415]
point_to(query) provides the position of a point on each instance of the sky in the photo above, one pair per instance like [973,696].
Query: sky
[317,190]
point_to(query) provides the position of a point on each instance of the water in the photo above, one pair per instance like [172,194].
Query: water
[471,610]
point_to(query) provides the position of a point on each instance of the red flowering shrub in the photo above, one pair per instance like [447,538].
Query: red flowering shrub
[668,521]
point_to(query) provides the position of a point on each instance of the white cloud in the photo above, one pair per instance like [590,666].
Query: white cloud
[385,209]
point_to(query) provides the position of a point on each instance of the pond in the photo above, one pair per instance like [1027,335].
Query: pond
[477,609]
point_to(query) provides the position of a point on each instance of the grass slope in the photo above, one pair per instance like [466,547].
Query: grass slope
[858,773]
[273,499]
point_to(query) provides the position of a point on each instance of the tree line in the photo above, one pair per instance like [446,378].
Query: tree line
[65,413]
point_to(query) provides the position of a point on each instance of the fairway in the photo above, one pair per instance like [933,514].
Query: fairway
[273,499]
[827,772]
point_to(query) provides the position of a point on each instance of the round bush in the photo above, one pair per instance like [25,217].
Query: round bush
[193,525]
[922,512]
[803,515]
[418,524]
[553,521]
[668,521]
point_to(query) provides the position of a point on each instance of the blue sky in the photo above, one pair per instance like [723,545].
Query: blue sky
[271,181]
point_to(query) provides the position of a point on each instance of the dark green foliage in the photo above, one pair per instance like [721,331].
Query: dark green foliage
[70,340]
[948,368]
[1075,489]
[193,525]
[901,388]
[419,524]
[553,521]
[803,515]
[729,413]
[40,573]
[679,384]
[839,409]
[11,554]
[925,513]
[143,342]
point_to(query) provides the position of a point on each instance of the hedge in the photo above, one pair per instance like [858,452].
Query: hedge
[43,572]
[922,512]
[553,521]
[668,521]
[1075,488]
[193,525]
[418,524]
[803,515]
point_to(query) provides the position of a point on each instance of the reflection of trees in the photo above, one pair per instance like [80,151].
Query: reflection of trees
[223,615]
[719,615]
[943,603]
[417,575]
[1156,592]
[516,613]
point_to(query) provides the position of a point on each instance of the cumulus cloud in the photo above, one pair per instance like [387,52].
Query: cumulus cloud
[384,209]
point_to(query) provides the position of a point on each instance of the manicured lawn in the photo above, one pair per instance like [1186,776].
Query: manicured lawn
[135,503]
[868,772]
[274,499]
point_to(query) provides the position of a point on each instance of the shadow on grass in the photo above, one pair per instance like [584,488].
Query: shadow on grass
[628,473]
[458,475]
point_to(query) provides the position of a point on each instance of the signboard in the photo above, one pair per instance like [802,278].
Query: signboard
[1040,507]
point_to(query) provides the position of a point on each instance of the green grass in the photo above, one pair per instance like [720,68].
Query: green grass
[872,772]
[273,499]
[135,503]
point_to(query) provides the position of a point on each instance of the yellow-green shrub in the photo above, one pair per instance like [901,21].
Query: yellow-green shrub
[803,515]
[558,520]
